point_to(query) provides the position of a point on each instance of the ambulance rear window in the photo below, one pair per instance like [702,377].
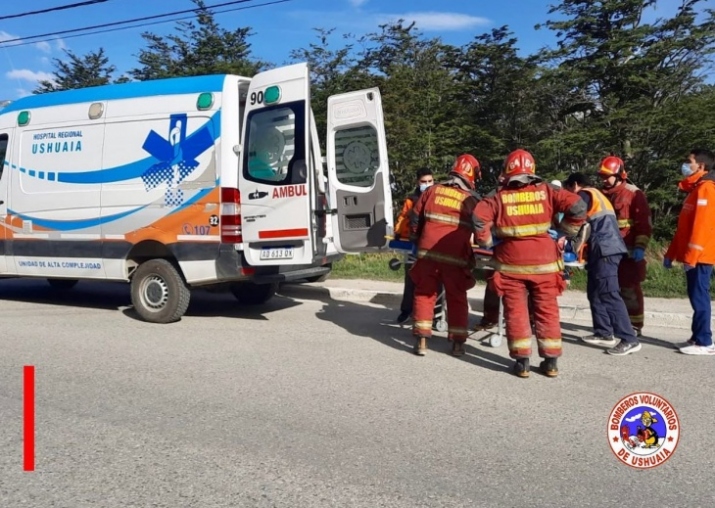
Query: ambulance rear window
[276,144]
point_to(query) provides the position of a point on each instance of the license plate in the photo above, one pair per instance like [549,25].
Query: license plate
[277,253]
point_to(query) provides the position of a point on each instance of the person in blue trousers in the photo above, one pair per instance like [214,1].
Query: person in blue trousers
[605,250]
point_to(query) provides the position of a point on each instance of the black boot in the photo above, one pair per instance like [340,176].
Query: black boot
[521,367]
[420,347]
[549,368]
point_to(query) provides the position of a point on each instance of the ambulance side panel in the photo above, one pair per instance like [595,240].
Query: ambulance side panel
[160,187]
[106,177]
[53,219]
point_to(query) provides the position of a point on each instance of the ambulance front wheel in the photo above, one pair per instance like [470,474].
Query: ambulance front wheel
[159,292]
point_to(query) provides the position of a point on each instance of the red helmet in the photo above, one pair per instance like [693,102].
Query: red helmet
[612,166]
[467,168]
[519,162]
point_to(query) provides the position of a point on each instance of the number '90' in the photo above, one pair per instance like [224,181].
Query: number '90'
[256,98]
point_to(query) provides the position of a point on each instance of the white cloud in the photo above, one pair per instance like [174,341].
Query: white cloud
[44,47]
[45,61]
[634,418]
[4,36]
[29,76]
[357,3]
[60,44]
[21,92]
[438,21]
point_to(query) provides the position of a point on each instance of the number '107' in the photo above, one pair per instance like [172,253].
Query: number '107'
[256,98]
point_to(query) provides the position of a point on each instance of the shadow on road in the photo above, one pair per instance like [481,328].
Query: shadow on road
[375,320]
[116,296]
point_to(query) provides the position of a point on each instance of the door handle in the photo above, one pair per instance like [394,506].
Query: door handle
[2,202]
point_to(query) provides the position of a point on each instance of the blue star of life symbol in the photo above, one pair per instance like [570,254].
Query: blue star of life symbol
[176,155]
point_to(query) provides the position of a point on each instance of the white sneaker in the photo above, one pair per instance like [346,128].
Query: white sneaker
[597,340]
[698,350]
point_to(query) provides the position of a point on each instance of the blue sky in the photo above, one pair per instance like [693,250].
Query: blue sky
[278,28]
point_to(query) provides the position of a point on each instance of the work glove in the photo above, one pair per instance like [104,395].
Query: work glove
[638,254]
[553,234]
[687,268]
[667,263]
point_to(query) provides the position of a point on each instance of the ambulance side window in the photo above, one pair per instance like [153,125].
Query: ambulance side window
[357,156]
[275,139]
[4,140]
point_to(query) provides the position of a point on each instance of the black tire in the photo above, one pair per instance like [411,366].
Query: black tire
[159,292]
[321,278]
[248,293]
[62,284]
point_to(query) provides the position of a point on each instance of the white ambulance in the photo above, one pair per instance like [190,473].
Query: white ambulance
[190,182]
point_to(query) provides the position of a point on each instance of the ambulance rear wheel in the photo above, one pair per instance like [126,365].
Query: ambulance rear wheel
[249,293]
[159,292]
[62,284]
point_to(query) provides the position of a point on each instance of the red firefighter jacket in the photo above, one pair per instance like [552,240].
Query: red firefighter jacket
[521,217]
[633,214]
[441,225]
[694,240]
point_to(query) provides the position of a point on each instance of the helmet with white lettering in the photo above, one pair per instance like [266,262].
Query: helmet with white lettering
[466,167]
[519,162]
[613,166]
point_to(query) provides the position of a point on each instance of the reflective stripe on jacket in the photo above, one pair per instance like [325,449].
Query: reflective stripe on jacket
[521,217]
[441,225]
[605,239]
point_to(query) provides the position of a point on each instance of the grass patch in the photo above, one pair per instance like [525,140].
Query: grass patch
[659,282]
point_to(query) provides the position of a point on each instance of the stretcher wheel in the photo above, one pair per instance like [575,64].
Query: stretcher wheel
[495,340]
[441,325]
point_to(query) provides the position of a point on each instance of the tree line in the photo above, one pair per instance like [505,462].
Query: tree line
[613,83]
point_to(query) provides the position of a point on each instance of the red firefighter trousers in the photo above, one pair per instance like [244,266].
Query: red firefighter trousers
[427,276]
[630,275]
[543,290]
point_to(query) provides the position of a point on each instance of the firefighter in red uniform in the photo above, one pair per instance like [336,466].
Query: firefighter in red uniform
[528,260]
[634,221]
[441,227]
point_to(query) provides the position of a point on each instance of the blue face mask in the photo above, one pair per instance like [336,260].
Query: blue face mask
[685,169]
[424,186]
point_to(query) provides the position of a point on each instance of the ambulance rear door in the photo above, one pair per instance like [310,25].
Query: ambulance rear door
[274,185]
[358,172]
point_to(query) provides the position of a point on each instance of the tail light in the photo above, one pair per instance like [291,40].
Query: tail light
[231,231]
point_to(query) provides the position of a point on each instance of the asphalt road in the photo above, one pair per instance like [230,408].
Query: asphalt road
[311,402]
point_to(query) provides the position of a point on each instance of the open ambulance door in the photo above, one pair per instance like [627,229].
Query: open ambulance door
[358,172]
[276,212]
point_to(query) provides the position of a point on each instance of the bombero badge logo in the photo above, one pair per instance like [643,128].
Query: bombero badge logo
[643,430]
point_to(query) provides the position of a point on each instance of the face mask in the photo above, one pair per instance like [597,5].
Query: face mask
[685,169]
[424,186]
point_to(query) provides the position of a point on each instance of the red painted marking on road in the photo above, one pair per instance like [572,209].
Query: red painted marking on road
[29,418]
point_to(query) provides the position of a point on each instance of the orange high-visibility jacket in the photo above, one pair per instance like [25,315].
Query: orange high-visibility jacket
[633,214]
[694,240]
[402,225]
[522,218]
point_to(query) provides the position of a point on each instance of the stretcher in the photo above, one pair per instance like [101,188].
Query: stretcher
[407,256]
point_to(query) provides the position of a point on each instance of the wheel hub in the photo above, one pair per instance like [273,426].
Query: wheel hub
[154,293]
